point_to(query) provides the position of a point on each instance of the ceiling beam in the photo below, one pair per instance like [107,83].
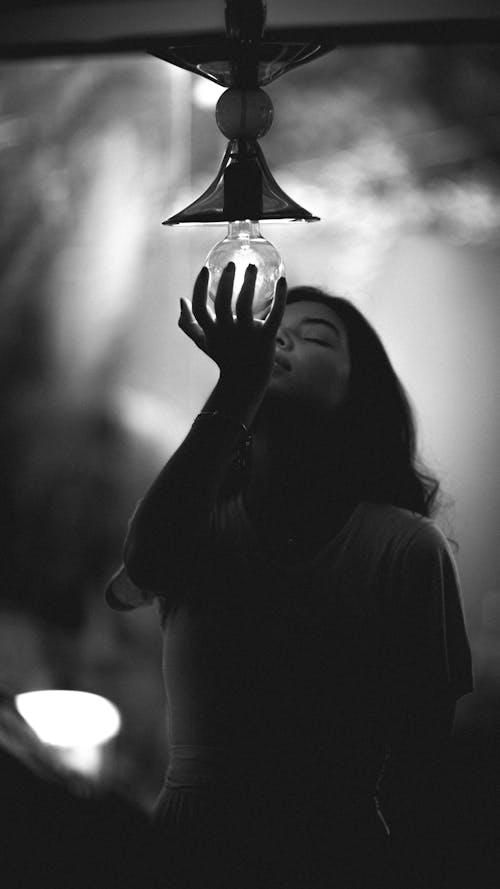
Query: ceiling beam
[32,29]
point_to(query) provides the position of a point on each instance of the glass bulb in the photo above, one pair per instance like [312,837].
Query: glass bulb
[244,245]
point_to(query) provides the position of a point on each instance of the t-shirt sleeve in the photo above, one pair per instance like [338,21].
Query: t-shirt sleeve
[121,593]
[184,579]
[432,644]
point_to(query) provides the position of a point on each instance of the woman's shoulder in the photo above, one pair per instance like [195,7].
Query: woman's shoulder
[403,528]
[412,547]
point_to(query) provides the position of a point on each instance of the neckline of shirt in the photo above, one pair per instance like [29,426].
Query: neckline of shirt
[319,554]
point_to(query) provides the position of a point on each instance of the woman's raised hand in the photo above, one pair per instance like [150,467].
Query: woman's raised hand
[243,347]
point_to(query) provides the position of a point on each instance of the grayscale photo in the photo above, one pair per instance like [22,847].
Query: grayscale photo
[250,561]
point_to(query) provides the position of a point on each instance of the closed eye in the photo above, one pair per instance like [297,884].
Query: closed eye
[309,327]
[313,339]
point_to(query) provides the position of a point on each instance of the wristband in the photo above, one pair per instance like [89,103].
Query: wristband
[207,415]
[242,456]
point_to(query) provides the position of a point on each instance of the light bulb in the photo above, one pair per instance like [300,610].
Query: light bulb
[244,245]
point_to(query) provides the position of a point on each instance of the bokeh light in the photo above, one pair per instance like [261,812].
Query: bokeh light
[75,724]
[69,718]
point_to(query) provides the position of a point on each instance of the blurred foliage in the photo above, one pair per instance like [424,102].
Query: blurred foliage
[70,470]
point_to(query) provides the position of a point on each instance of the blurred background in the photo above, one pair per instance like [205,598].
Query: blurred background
[398,151]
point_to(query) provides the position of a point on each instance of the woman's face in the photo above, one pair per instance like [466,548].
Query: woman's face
[312,364]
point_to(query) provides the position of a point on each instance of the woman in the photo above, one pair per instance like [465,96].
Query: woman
[314,636]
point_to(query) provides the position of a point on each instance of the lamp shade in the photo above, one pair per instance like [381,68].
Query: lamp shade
[244,188]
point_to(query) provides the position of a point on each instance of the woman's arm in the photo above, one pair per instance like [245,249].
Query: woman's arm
[414,794]
[419,744]
[175,511]
[431,670]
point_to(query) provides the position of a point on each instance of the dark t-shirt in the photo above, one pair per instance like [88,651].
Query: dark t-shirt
[308,664]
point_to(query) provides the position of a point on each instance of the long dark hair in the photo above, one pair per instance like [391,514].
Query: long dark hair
[380,433]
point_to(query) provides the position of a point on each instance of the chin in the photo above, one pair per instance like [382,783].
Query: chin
[276,384]
[277,399]
[281,401]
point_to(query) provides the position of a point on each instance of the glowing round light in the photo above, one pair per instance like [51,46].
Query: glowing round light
[245,245]
[69,718]
[205,92]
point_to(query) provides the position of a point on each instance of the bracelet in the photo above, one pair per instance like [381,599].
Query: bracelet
[207,415]
[243,454]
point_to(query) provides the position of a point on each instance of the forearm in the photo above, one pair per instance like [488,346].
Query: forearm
[410,793]
[168,524]
[413,780]
[176,509]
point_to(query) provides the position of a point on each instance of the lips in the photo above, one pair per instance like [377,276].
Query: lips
[282,363]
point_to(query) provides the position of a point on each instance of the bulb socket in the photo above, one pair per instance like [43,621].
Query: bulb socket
[243,187]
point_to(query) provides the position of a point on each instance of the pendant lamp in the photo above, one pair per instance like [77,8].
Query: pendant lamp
[244,191]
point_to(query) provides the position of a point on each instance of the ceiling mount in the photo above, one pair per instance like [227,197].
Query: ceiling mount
[244,58]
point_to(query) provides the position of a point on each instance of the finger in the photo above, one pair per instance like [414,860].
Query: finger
[199,304]
[224,295]
[246,296]
[188,324]
[273,320]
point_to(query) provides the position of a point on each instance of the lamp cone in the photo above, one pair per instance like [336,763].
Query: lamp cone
[244,188]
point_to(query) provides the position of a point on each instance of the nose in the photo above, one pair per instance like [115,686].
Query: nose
[283,338]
